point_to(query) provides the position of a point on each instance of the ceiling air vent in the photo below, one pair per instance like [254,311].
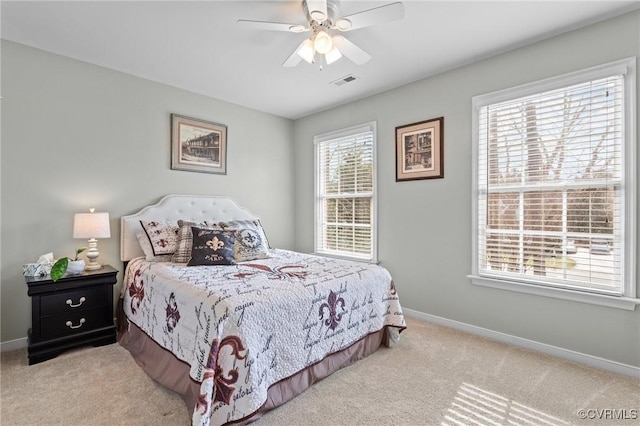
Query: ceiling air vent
[344,80]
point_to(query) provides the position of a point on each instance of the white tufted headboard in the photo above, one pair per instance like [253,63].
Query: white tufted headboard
[171,208]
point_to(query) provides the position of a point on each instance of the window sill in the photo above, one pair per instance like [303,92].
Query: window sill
[626,303]
[345,257]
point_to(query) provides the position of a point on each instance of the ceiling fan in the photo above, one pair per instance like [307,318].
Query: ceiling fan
[326,44]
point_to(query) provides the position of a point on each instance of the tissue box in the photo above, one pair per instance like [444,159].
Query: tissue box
[35,269]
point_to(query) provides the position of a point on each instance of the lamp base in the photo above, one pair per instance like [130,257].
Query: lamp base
[93,267]
[92,256]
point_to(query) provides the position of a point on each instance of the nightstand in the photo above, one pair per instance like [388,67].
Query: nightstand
[73,311]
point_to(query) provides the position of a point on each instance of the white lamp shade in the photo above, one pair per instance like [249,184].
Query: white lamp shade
[91,225]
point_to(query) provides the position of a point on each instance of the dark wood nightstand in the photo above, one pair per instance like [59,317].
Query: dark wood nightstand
[75,310]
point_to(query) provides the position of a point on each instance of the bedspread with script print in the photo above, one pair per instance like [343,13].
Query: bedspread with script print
[244,327]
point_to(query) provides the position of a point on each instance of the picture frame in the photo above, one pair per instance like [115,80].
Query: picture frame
[198,145]
[420,150]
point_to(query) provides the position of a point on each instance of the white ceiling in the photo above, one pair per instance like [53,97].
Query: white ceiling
[198,46]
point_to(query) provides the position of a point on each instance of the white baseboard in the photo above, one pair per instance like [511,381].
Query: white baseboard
[12,345]
[590,360]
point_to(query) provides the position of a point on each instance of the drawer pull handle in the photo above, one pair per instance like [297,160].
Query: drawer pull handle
[70,324]
[70,303]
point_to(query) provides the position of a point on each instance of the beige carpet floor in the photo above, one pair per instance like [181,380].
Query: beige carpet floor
[435,376]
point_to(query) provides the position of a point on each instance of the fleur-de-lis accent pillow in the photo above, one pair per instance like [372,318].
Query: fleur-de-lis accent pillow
[211,247]
[161,235]
[251,241]
[185,239]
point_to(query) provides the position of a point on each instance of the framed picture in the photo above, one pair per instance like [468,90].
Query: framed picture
[420,150]
[198,145]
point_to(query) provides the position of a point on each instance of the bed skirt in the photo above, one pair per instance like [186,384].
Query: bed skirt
[166,369]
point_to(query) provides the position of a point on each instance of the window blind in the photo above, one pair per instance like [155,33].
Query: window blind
[550,187]
[345,195]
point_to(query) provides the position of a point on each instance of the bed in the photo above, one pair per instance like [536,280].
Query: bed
[244,330]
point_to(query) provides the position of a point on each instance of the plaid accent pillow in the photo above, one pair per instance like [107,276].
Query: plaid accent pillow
[251,241]
[182,253]
[161,235]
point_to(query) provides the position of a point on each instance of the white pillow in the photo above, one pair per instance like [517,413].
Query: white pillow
[162,236]
[145,245]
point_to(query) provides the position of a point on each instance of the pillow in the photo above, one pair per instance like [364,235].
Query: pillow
[145,245]
[211,247]
[251,223]
[251,241]
[161,235]
[185,241]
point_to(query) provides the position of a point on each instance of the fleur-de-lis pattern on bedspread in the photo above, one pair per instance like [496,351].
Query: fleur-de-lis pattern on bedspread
[332,305]
[278,273]
[173,314]
[136,290]
[222,389]
[244,327]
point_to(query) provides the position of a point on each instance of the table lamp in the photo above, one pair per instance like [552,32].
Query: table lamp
[91,225]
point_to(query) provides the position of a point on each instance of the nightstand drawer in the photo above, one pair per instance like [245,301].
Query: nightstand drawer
[73,323]
[72,301]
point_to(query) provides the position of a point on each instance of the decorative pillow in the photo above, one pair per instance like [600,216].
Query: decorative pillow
[162,236]
[185,240]
[211,247]
[251,241]
[145,245]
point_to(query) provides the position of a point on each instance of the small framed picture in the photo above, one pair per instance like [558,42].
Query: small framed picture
[198,145]
[420,150]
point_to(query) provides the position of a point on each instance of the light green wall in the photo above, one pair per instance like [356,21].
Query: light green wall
[75,136]
[425,226]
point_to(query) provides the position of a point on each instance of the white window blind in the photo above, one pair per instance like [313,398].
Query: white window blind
[551,185]
[345,193]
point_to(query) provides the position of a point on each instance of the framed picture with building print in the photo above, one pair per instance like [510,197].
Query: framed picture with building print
[198,145]
[420,150]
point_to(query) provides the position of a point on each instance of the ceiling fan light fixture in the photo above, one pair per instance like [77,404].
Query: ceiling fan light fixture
[306,51]
[318,15]
[343,24]
[333,55]
[323,43]
[297,28]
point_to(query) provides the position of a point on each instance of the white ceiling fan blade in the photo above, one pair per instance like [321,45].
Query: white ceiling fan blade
[292,60]
[295,57]
[378,15]
[350,50]
[317,9]
[272,26]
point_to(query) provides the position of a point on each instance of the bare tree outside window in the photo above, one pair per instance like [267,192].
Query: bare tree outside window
[553,169]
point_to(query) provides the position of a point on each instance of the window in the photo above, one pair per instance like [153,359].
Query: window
[345,193]
[554,187]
